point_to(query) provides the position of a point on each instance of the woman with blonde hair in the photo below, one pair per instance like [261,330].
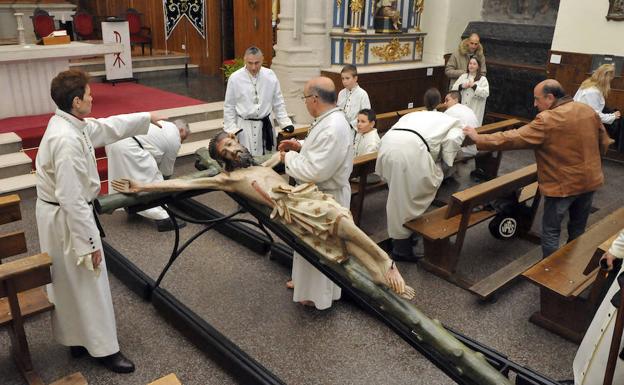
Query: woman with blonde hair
[595,89]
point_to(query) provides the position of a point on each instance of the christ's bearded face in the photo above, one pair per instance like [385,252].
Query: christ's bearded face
[233,154]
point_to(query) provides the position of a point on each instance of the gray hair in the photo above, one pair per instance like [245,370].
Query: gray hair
[326,96]
[253,50]
[181,123]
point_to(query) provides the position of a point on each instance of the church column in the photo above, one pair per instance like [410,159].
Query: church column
[302,49]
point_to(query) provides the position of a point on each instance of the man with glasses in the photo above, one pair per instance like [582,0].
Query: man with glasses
[252,93]
[567,138]
[325,158]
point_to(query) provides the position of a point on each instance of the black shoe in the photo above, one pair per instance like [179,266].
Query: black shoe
[78,351]
[167,225]
[117,363]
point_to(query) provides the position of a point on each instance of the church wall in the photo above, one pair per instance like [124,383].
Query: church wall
[582,27]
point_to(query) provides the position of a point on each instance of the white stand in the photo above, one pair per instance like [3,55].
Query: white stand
[21,37]
[118,65]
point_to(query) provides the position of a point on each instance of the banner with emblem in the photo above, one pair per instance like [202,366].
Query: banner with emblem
[176,10]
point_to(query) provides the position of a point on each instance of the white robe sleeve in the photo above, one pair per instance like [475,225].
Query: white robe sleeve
[483,88]
[451,144]
[617,247]
[321,163]
[71,166]
[109,130]
[279,106]
[458,82]
[372,143]
[229,107]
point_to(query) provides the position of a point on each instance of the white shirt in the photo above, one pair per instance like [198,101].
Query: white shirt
[594,98]
[366,143]
[353,101]
[467,117]
[248,97]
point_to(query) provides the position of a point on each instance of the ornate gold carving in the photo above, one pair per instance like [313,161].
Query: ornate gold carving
[391,51]
[359,51]
[338,3]
[419,47]
[347,50]
[419,8]
[357,5]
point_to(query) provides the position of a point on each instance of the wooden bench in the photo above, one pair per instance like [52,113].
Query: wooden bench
[170,379]
[570,271]
[439,225]
[22,294]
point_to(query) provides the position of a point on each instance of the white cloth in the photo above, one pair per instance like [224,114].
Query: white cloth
[474,98]
[591,358]
[67,174]
[366,143]
[326,158]
[413,174]
[247,97]
[594,98]
[351,102]
[467,117]
[126,159]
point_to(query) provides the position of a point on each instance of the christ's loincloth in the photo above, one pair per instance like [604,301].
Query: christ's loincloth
[314,216]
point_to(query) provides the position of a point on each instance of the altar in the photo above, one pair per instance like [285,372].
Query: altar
[26,72]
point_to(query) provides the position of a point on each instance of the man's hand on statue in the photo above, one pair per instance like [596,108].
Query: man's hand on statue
[289,145]
[96,258]
[154,118]
[126,186]
[608,258]
[471,133]
[618,114]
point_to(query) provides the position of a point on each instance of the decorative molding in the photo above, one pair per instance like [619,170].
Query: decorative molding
[616,10]
[359,52]
[419,47]
[347,50]
[357,5]
[392,51]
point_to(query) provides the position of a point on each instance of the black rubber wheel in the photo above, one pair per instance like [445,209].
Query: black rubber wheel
[503,226]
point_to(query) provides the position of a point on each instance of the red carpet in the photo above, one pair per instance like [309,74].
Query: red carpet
[107,100]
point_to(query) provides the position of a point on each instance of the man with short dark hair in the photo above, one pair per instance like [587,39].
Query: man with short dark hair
[458,62]
[67,183]
[326,159]
[567,138]
[252,93]
[410,159]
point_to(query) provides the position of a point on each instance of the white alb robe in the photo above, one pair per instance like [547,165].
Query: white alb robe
[468,118]
[326,158]
[126,159]
[245,101]
[591,358]
[413,174]
[474,98]
[67,174]
[351,102]
[366,143]
[594,98]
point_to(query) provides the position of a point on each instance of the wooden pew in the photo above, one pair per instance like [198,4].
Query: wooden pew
[21,287]
[170,379]
[570,271]
[454,219]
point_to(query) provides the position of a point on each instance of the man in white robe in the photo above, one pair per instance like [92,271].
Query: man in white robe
[67,183]
[148,158]
[252,93]
[410,159]
[324,158]
[466,116]
[591,358]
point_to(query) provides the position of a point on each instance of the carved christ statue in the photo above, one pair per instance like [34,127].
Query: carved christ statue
[315,217]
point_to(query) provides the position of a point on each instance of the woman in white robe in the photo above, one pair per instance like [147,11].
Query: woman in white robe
[591,358]
[474,88]
[67,182]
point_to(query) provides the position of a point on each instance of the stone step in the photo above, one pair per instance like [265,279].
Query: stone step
[97,64]
[204,129]
[189,148]
[17,183]
[151,72]
[196,113]
[13,164]
[10,142]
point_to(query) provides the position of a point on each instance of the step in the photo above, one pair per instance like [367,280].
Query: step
[189,148]
[151,72]
[17,183]
[10,142]
[204,129]
[137,62]
[13,164]
[195,113]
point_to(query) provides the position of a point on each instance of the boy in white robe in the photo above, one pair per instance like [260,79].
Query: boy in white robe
[67,183]
[325,158]
[148,158]
[367,139]
[352,98]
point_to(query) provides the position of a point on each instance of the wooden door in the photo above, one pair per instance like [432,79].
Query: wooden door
[252,26]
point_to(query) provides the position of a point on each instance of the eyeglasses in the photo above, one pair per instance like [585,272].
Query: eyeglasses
[304,97]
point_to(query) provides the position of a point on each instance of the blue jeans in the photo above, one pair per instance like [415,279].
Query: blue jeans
[578,207]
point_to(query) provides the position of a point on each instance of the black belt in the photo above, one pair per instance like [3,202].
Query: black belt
[414,132]
[139,143]
[97,221]
[267,131]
